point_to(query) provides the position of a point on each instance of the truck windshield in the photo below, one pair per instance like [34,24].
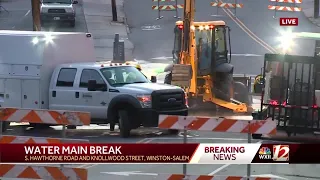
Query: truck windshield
[58,1]
[121,75]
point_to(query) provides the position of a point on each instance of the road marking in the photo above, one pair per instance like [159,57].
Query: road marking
[128,173]
[225,166]
[219,169]
[248,31]
[246,55]
[162,58]
[142,140]
[150,28]
[27,13]
[269,176]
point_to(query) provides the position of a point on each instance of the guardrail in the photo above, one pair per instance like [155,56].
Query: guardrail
[284,5]
[232,124]
[226,5]
[40,116]
[167,7]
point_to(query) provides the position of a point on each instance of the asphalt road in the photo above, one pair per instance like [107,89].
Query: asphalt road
[19,17]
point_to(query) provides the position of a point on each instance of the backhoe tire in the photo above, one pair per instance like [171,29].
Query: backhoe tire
[241,93]
[124,123]
[222,88]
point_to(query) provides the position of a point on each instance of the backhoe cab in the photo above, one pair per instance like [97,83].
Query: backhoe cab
[203,69]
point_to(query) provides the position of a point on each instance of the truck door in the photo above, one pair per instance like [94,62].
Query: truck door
[62,92]
[95,102]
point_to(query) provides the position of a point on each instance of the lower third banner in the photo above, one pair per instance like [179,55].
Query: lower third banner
[160,153]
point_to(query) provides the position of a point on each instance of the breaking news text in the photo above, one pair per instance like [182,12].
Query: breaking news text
[160,153]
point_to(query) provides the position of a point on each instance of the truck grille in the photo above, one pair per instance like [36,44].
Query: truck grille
[56,11]
[168,100]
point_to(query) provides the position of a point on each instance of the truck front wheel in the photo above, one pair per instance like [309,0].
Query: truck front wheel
[124,123]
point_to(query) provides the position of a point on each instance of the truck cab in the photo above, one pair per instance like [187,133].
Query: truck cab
[114,93]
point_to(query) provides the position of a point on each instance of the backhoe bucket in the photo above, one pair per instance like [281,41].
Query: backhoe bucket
[181,75]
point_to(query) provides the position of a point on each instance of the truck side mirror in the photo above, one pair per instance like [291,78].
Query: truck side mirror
[75,2]
[92,85]
[154,79]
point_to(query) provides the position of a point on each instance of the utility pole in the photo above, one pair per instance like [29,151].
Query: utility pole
[114,10]
[316,9]
[35,7]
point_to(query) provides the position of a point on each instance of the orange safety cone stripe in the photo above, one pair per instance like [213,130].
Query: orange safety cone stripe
[30,173]
[55,173]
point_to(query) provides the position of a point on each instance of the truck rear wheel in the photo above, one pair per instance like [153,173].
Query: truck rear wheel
[124,123]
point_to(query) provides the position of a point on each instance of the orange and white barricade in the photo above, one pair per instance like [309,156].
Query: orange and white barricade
[226,5]
[233,4]
[42,172]
[170,5]
[6,139]
[284,5]
[50,117]
[228,124]
[54,117]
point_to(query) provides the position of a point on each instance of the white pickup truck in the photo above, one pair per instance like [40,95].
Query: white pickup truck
[57,71]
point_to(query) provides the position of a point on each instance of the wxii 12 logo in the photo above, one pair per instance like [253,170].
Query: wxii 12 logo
[281,153]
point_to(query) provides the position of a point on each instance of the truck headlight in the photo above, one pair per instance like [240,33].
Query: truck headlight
[145,101]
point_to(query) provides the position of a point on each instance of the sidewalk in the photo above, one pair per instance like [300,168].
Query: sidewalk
[307,8]
[98,16]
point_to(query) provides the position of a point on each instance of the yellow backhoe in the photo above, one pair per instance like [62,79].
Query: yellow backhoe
[202,56]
